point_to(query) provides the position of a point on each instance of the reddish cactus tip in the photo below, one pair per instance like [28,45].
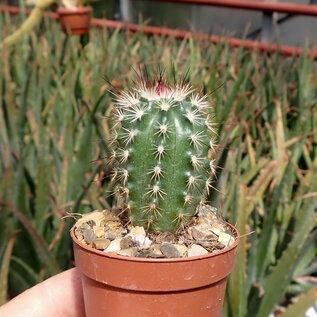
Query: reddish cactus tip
[160,85]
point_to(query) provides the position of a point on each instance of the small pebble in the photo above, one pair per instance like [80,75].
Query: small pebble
[139,237]
[200,233]
[155,250]
[196,250]
[110,216]
[101,243]
[89,235]
[169,250]
[98,231]
[182,249]
[111,234]
[126,242]
[217,228]
[113,224]
[93,218]
[114,246]
[137,231]
[226,239]
[146,243]
[128,252]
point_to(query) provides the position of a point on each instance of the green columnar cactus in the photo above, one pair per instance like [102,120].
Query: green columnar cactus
[162,153]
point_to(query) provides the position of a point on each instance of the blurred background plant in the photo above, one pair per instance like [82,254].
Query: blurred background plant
[54,109]
[35,16]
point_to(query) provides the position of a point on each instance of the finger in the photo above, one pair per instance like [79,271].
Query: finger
[58,296]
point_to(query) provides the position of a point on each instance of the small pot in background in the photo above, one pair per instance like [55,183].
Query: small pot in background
[75,21]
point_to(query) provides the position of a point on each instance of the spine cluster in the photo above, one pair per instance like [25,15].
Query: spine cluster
[162,150]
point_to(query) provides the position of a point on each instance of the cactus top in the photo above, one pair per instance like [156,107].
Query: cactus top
[162,151]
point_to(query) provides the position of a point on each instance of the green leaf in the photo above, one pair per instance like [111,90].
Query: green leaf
[301,304]
[5,267]
[236,283]
[275,284]
[41,246]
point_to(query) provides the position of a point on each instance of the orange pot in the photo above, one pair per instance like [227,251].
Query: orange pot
[75,21]
[118,286]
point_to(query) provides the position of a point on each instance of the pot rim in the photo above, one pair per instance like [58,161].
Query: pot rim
[80,10]
[154,260]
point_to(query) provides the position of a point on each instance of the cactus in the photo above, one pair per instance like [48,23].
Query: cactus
[161,153]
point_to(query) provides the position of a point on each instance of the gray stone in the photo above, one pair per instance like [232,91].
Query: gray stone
[82,226]
[169,250]
[219,246]
[89,235]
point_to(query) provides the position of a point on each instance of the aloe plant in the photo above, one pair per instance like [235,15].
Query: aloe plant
[162,152]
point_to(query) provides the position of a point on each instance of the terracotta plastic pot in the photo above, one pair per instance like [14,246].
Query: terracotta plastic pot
[118,286]
[75,21]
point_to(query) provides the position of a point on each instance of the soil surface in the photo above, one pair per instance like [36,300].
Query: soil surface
[105,231]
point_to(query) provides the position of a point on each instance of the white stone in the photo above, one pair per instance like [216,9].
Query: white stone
[146,243]
[114,246]
[196,250]
[217,228]
[139,237]
[137,231]
[312,311]
[226,239]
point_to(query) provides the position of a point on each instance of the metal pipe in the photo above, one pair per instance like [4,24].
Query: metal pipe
[181,34]
[256,5]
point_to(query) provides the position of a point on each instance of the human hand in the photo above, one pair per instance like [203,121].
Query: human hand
[58,296]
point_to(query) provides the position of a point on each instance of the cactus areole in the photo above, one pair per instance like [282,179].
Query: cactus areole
[162,148]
